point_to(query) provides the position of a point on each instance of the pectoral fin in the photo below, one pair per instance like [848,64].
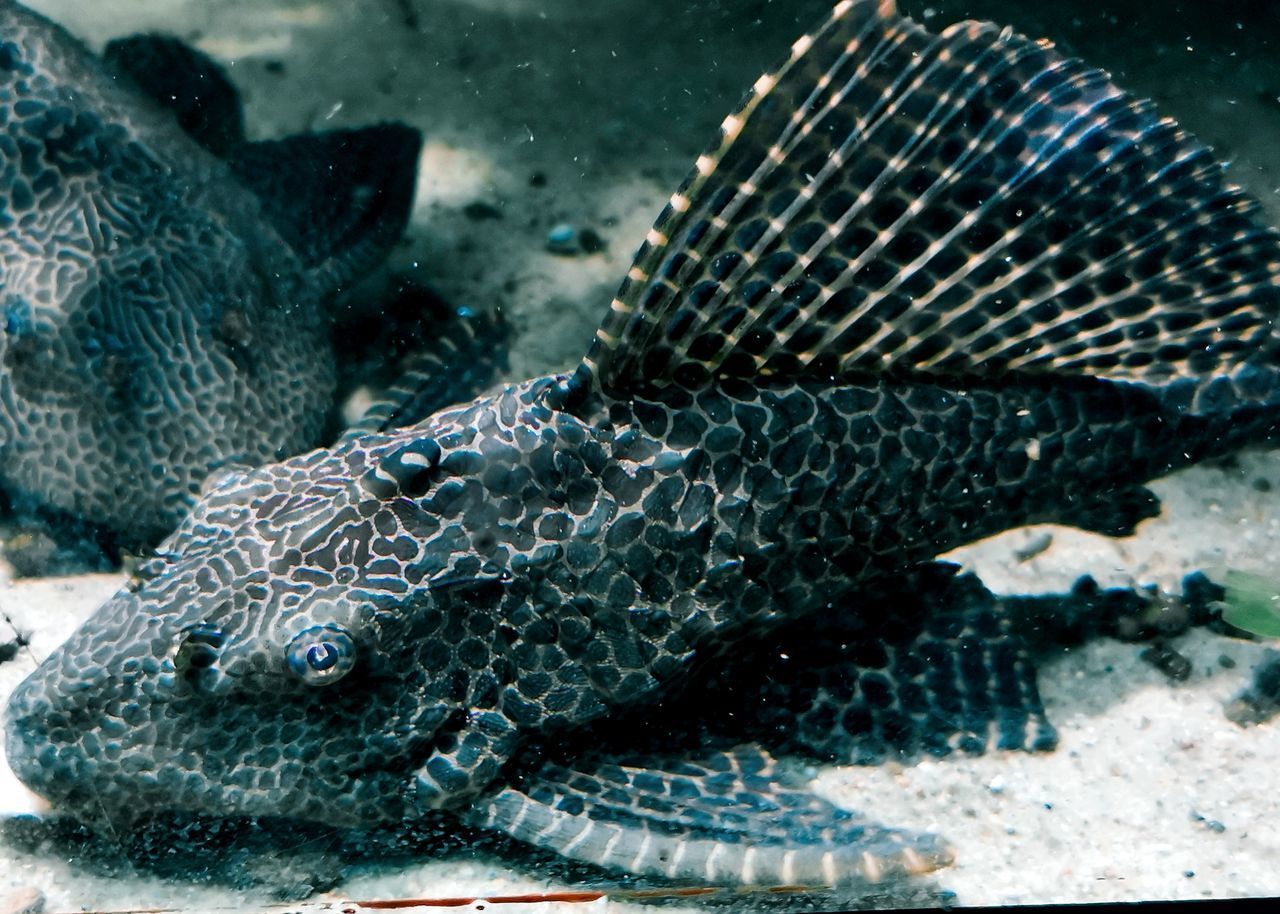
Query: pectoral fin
[186,81]
[340,199]
[734,817]
[462,354]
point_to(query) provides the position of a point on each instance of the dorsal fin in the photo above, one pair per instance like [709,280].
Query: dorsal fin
[971,202]
[340,198]
[186,81]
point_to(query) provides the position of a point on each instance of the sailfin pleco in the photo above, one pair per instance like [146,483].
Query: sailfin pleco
[923,289]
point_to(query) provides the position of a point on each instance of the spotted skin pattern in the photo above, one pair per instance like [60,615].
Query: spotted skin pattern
[508,569]
[402,623]
[935,664]
[154,324]
[940,666]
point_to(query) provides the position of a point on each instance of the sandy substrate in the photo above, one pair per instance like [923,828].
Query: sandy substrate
[541,112]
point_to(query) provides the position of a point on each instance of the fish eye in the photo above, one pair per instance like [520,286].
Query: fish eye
[321,655]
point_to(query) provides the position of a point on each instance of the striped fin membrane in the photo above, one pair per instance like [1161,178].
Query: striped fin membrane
[464,354]
[946,671]
[970,202]
[722,817]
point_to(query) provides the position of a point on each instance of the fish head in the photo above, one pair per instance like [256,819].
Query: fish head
[190,690]
[145,376]
[305,641]
[152,325]
[166,301]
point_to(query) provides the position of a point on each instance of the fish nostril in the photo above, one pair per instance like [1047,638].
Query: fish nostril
[197,655]
[199,649]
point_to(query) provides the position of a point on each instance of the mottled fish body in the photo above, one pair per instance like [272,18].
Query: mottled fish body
[163,282]
[924,288]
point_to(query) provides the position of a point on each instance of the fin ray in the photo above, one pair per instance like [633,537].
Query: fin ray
[727,817]
[891,200]
[896,163]
[464,356]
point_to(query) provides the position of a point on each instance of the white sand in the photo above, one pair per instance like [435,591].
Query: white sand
[609,106]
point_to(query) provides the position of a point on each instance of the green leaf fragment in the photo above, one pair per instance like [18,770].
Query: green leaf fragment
[1252,602]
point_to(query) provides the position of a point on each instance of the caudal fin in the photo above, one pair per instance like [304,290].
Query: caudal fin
[341,199]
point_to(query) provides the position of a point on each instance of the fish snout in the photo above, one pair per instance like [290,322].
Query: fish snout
[29,750]
[49,746]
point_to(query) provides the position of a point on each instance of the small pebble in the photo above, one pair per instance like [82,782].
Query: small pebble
[9,649]
[1261,700]
[1033,547]
[568,240]
[1212,825]
[562,239]
[590,241]
[1168,661]
[996,785]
